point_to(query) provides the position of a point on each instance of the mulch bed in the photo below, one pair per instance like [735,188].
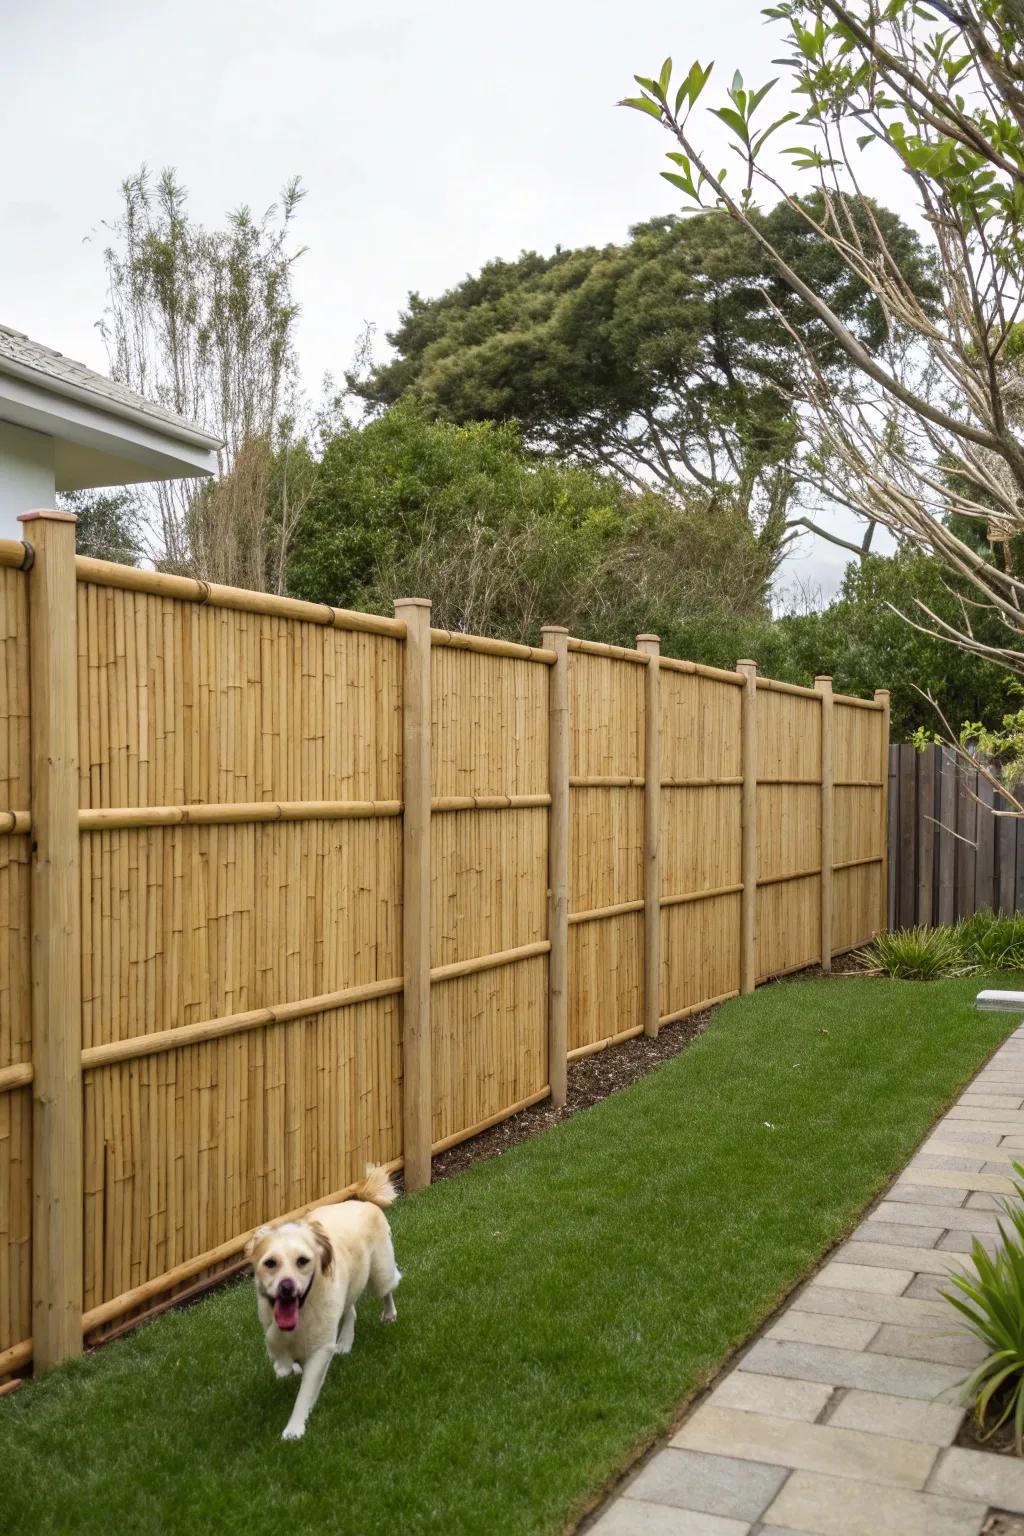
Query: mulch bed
[591,1079]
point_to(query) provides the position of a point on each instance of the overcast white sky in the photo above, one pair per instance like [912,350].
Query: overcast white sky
[431,137]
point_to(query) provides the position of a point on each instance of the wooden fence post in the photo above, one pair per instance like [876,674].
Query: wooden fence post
[555,638]
[748,826]
[417,1133]
[56,943]
[882,697]
[651,646]
[823,685]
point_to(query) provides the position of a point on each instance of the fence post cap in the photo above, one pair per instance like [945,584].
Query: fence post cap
[413,602]
[882,695]
[823,677]
[47,515]
[746,666]
[553,629]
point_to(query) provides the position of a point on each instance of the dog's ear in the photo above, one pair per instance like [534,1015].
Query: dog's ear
[323,1247]
[255,1240]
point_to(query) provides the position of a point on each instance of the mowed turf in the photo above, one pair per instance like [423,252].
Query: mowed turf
[557,1305]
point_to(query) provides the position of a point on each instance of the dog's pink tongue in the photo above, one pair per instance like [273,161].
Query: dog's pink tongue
[286,1313]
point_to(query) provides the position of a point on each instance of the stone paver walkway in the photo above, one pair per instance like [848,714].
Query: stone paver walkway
[839,1420]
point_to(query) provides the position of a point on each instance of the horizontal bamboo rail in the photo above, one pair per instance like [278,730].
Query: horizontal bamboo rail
[774,686]
[18,1075]
[610,652]
[15,821]
[871,858]
[605,781]
[602,1045]
[796,874]
[485,1125]
[697,669]
[484,646]
[732,782]
[858,784]
[14,554]
[791,783]
[688,896]
[595,914]
[117,818]
[489,802]
[489,962]
[187,589]
[852,702]
[134,1046]
[692,1008]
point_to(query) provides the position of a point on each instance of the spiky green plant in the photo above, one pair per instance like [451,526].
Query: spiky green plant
[992,1302]
[992,939]
[917,954]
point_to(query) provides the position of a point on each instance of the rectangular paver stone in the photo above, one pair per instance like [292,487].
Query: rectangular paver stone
[887,1256]
[907,1311]
[906,1213]
[858,1277]
[844,1506]
[894,1232]
[907,1417]
[949,1344]
[808,1447]
[948,1160]
[814,1328]
[924,1194]
[635,1517]
[997,1480]
[772,1394]
[712,1485]
[851,1368]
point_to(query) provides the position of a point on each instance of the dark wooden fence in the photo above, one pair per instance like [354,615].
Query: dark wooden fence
[948,855]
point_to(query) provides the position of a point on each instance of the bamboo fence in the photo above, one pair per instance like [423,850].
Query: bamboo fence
[284,890]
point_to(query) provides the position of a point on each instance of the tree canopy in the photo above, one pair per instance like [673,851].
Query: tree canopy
[665,359]
[929,440]
[503,540]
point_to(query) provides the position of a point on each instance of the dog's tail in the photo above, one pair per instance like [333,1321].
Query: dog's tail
[377,1187]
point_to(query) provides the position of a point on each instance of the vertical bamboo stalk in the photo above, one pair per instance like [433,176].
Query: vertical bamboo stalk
[882,697]
[556,639]
[57,1173]
[416,1042]
[748,825]
[651,646]
[823,685]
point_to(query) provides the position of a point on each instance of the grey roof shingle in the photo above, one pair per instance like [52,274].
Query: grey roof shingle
[20,355]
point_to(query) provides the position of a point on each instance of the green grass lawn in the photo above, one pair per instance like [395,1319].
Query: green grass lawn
[558,1302]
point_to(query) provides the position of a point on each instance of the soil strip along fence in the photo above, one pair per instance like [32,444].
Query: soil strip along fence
[285,890]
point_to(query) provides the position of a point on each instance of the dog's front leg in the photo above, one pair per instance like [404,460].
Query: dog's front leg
[313,1373]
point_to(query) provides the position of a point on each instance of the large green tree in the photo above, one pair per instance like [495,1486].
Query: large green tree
[504,540]
[665,359]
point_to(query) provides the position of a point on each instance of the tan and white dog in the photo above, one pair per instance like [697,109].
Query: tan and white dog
[309,1276]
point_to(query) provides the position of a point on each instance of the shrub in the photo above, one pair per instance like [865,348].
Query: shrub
[993,940]
[992,1301]
[917,954]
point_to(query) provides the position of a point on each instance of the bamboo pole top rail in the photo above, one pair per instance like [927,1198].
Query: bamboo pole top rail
[188,589]
[15,821]
[698,669]
[610,652]
[15,554]
[774,686]
[850,701]
[456,640]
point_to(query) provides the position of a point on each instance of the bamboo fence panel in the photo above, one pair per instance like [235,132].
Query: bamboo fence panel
[700,814]
[489,737]
[606,843]
[856,836]
[15,988]
[241,883]
[788,829]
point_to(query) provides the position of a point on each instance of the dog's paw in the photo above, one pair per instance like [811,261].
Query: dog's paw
[293,1432]
[389,1317]
[284,1368]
